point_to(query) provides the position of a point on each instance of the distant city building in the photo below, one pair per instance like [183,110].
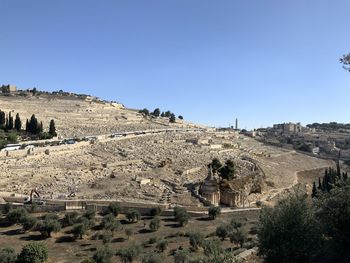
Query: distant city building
[289,127]
[236,125]
[7,89]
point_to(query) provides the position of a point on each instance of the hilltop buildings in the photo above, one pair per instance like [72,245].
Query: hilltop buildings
[8,89]
[288,128]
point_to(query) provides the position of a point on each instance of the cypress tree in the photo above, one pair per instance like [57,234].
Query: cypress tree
[323,184]
[27,125]
[328,180]
[2,118]
[338,166]
[10,122]
[33,125]
[18,123]
[314,190]
[319,184]
[40,128]
[52,128]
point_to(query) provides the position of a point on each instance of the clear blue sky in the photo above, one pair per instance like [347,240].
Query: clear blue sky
[211,61]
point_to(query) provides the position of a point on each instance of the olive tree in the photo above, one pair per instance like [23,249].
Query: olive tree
[48,225]
[181,215]
[129,254]
[154,225]
[214,211]
[288,232]
[109,222]
[196,240]
[114,208]
[133,215]
[238,236]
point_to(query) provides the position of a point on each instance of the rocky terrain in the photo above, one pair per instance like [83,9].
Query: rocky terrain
[158,168]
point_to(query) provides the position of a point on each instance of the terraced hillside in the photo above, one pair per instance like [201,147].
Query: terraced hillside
[140,167]
[81,117]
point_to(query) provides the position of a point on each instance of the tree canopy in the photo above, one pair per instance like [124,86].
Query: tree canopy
[345,60]
[300,230]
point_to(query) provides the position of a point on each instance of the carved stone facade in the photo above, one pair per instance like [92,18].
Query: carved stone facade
[231,197]
[233,193]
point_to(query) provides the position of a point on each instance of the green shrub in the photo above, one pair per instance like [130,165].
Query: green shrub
[90,214]
[70,218]
[129,254]
[129,232]
[181,215]
[235,224]
[29,223]
[162,245]
[90,223]
[154,225]
[196,240]
[33,207]
[223,231]
[103,255]
[34,252]
[181,256]
[45,136]
[7,255]
[106,236]
[152,258]
[15,216]
[212,248]
[7,208]
[12,138]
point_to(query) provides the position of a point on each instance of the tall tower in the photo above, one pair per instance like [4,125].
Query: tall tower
[236,126]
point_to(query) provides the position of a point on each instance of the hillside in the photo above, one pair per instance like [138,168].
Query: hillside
[77,117]
[162,167]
